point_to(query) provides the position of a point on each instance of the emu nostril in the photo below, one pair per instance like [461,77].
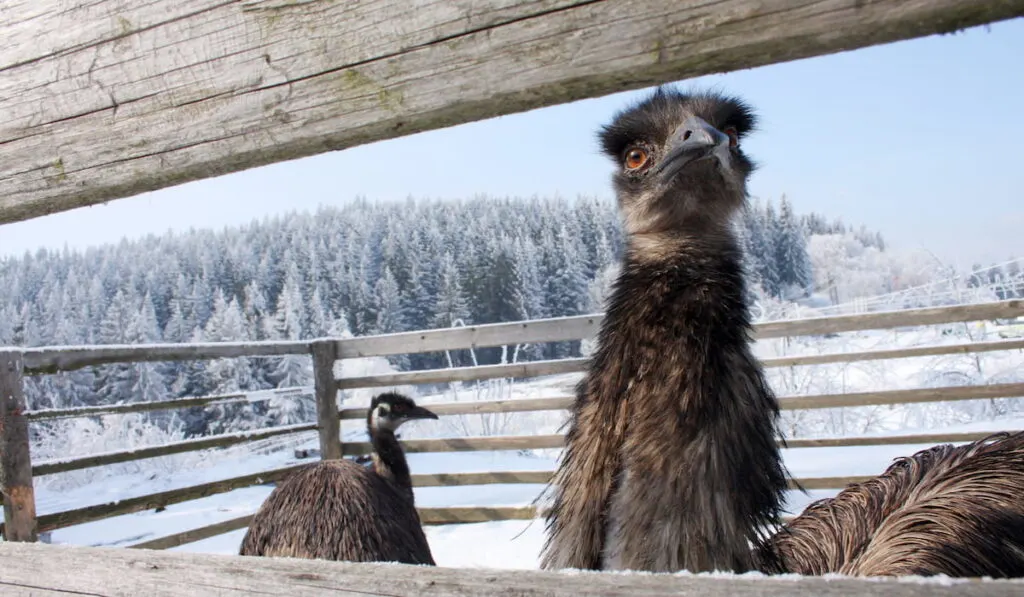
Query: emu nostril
[686,135]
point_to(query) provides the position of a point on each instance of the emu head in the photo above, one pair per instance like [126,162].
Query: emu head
[390,410]
[678,160]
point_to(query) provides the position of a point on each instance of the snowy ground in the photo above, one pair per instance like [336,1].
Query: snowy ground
[516,544]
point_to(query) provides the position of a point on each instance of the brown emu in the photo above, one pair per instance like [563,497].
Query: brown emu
[957,511]
[340,510]
[671,459]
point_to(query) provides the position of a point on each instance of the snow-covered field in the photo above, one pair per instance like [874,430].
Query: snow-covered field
[516,544]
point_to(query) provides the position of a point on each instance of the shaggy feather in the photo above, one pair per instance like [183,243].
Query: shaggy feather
[947,510]
[671,460]
[341,510]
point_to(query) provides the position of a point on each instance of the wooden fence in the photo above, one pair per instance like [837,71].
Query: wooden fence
[107,99]
[21,523]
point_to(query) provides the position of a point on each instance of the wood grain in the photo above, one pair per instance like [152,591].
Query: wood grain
[325,353]
[50,359]
[111,98]
[15,460]
[111,572]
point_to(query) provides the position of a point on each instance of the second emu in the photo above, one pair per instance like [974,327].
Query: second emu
[340,510]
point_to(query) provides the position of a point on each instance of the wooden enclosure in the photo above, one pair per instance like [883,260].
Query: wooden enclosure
[106,99]
[37,361]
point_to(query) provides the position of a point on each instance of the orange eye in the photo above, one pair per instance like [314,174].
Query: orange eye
[734,138]
[636,158]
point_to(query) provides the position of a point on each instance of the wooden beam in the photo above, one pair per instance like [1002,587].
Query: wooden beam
[325,353]
[190,445]
[541,368]
[510,371]
[51,359]
[543,442]
[163,499]
[112,571]
[104,100]
[15,461]
[913,396]
[586,326]
[138,407]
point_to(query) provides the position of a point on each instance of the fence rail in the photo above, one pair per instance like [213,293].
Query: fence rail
[326,351]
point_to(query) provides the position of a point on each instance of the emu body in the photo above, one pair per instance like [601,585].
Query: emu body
[671,459]
[957,511]
[341,510]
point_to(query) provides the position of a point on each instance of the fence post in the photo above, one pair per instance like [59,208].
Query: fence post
[15,460]
[325,353]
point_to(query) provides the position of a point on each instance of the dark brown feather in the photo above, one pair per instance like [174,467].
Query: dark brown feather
[341,510]
[957,511]
[671,459]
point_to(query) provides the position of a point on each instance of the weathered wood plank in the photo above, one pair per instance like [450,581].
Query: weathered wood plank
[138,407]
[913,396]
[479,407]
[586,326]
[894,353]
[115,572]
[141,98]
[325,353]
[541,368]
[51,359]
[541,442]
[190,445]
[15,460]
[163,499]
[512,371]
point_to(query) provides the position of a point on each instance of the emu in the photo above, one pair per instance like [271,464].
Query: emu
[341,510]
[671,459]
[947,510]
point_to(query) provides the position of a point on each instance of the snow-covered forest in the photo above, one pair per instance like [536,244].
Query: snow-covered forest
[370,268]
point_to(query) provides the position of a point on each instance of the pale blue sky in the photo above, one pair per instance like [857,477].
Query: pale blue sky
[920,140]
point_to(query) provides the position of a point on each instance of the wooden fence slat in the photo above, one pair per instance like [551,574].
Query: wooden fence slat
[510,371]
[816,401]
[894,353]
[541,442]
[51,359]
[190,445]
[137,407]
[578,365]
[478,407]
[15,460]
[107,571]
[914,396]
[585,326]
[325,353]
[163,499]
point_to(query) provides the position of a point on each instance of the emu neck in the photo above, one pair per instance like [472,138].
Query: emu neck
[389,458]
[698,418]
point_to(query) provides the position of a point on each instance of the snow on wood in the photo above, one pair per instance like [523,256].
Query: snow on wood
[105,571]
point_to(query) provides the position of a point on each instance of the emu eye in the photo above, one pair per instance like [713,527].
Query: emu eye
[734,138]
[636,158]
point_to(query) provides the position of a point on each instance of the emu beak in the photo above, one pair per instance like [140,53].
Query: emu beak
[693,140]
[420,413]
